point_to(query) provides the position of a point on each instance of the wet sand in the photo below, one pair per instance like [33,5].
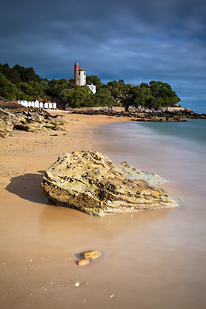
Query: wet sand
[149,258]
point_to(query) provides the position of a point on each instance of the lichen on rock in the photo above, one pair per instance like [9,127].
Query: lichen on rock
[92,183]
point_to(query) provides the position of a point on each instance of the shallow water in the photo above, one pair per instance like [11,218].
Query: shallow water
[167,248]
[152,259]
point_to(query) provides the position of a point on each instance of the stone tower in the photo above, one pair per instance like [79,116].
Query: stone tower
[76,73]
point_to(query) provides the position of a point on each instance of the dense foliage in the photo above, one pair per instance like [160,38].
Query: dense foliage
[23,83]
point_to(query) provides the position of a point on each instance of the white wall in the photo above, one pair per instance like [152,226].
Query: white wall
[82,77]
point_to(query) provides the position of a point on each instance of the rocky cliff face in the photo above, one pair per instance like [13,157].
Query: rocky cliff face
[92,183]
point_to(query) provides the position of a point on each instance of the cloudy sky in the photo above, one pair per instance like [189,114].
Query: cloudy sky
[134,40]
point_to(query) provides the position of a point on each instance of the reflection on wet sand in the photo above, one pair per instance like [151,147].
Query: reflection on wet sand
[72,222]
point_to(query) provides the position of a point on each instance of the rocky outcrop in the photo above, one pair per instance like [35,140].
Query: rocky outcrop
[145,115]
[92,183]
[29,119]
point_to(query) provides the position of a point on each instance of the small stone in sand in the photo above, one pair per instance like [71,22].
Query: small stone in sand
[83,262]
[92,255]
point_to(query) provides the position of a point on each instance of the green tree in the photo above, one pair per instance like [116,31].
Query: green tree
[104,98]
[120,91]
[164,92]
[95,80]
[30,75]
[80,96]
[14,77]
[115,88]
[7,88]
[57,87]
[5,69]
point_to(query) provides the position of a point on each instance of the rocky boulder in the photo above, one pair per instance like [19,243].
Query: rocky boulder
[92,183]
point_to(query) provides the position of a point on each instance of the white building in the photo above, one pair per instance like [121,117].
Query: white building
[38,104]
[31,103]
[93,88]
[46,105]
[23,102]
[82,77]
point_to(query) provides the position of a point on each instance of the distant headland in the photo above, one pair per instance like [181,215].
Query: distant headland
[20,83]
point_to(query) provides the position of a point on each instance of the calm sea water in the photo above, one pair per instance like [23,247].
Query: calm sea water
[193,130]
[152,145]
[163,251]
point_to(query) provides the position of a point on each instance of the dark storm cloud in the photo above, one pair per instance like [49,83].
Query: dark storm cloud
[131,40]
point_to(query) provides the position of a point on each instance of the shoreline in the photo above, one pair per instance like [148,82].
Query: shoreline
[39,120]
[26,144]
[151,259]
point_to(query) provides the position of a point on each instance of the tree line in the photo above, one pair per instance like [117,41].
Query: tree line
[23,83]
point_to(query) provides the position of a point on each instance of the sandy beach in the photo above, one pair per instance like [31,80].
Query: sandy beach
[152,259]
[39,242]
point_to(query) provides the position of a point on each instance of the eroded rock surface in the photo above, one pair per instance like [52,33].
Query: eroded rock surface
[92,183]
[29,119]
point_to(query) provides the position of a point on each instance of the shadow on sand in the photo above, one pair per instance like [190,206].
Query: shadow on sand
[28,187]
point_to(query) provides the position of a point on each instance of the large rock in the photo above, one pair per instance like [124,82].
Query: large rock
[92,183]
[31,127]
